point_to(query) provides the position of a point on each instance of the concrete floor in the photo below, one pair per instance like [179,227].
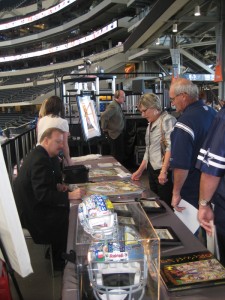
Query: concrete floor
[40,285]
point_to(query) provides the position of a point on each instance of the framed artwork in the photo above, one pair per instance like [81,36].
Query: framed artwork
[151,205]
[191,270]
[93,173]
[111,188]
[88,116]
[167,236]
[107,172]
[126,220]
[122,210]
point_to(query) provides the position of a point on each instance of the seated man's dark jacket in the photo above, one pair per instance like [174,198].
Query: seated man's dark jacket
[42,209]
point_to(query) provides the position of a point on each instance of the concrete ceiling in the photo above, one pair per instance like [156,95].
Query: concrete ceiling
[196,36]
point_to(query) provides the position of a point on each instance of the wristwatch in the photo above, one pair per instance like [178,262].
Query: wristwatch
[203,202]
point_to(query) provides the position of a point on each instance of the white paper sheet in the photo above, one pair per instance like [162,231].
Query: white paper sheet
[86,157]
[10,228]
[105,165]
[212,243]
[188,216]
[122,173]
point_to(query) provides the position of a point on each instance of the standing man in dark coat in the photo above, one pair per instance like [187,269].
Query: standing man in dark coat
[113,124]
[43,203]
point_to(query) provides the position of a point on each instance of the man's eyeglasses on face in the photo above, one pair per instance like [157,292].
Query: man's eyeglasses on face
[173,99]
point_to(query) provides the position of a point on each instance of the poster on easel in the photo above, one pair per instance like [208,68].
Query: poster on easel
[11,232]
[88,116]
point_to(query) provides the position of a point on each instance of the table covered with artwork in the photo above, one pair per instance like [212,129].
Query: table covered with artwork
[176,239]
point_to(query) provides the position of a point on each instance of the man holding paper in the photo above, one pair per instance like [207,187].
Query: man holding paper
[211,161]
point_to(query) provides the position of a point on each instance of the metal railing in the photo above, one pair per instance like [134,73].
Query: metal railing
[17,146]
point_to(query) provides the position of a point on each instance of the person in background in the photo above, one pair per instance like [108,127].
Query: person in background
[43,203]
[42,112]
[51,118]
[202,96]
[157,163]
[113,124]
[212,184]
[186,140]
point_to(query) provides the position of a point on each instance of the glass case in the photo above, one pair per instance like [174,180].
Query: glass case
[122,261]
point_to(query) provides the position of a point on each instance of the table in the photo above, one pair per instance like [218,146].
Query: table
[189,244]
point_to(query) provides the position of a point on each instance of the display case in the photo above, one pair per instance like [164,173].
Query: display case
[121,262]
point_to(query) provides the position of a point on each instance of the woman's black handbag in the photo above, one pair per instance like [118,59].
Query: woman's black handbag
[75,174]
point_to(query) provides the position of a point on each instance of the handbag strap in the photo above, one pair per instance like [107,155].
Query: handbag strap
[161,127]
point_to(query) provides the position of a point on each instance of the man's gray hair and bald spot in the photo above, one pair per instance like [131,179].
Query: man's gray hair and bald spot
[48,133]
[150,100]
[183,85]
[117,94]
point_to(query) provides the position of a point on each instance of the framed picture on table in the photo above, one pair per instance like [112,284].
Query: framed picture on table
[167,236]
[122,210]
[151,205]
[122,220]
[88,117]
[111,188]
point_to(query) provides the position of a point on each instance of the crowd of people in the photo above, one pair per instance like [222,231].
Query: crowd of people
[184,159]
[192,166]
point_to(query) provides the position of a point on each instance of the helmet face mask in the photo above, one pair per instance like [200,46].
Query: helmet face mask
[117,264]
[118,269]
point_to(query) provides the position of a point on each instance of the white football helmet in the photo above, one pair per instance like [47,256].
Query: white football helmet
[97,217]
[118,268]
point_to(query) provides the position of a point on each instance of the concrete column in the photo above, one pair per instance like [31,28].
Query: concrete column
[39,4]
[110,43]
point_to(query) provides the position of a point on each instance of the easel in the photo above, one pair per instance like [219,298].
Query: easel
[10,270]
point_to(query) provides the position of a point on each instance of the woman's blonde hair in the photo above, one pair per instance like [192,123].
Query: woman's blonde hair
[42,111]
[150,101]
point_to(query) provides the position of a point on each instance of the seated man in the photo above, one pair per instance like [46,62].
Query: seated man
[43,204]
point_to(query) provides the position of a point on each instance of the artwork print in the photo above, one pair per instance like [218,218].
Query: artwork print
[151,206]
[125,220]
[107,172]
[147,203]
[191,270]
[88,116]
[164,234]
[121,207]
[102,172]
[111,188]
[122,210]
[167,236]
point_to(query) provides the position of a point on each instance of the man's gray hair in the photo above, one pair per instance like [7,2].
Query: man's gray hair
[183,85]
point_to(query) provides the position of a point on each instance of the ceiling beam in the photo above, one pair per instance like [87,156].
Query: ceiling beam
[155,19]
[196,61]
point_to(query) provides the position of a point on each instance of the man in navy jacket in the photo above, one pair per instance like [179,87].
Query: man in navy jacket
[186,140]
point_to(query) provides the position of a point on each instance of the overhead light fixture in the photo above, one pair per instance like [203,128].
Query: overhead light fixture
[197,11]
[157,42]
[175,27]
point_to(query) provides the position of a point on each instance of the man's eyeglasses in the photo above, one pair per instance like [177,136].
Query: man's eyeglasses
[172,99]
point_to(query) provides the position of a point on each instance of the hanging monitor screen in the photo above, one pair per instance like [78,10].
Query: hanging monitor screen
[88,117]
